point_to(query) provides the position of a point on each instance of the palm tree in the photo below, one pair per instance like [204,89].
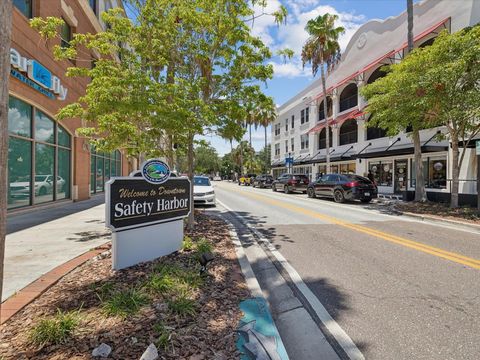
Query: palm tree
[267,114]
[322,48]
[420,193]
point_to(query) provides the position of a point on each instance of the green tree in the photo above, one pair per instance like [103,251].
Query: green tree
[320,50]
[206,159]
[5,35]
[175,71]
[263,154]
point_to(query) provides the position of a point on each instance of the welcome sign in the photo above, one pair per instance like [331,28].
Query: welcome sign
[134,202]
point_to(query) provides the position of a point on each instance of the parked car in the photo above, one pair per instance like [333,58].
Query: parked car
[43,186]
[203,191]
[217,178]
[342,187]
[291,183]
[263,181]
[246,179]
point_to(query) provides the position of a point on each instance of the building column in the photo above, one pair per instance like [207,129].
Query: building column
[335,133]
[362,131]
[361,100]
[335,104]
[81,169]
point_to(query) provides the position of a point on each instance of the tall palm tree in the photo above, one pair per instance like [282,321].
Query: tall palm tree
[266,115]
[320,50]
[420,193]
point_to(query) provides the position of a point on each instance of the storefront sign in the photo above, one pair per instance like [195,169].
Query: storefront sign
[134,202]
[38,76]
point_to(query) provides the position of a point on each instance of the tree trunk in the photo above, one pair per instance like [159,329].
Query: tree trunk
[325,111]
[250,131]
[5,34]
[266,152]
[190,160]
[455,174]
[420,194]
[241,159]
[410,25]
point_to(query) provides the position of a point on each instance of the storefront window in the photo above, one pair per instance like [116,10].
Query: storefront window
[434,172]
[19,172]
[382,172]
[25,6]
[49,175]
[103,167]
[348,168]
[44,174]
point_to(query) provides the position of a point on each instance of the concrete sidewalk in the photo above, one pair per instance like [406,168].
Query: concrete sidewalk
[39,241]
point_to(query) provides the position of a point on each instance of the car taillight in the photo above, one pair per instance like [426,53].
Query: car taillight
[352,184]
[292,182]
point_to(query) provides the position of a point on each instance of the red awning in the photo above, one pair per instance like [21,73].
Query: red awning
[317,128]
[353,114]
[383,57]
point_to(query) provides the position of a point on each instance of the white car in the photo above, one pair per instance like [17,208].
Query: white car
[203,191]
[43,186]
[217,178]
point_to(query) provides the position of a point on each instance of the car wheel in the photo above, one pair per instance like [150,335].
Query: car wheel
[338,196]
[311,193]
[287,189]
[274,188]
[366,200]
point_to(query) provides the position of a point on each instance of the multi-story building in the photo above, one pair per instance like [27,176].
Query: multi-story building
[47,160]
[300,129]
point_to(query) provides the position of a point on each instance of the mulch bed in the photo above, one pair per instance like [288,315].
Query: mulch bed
[209,334]
[466,214]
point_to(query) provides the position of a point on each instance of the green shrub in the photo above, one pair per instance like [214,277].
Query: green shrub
[203,246]
[56,329]
[124,303]
[187,244]
[182,305]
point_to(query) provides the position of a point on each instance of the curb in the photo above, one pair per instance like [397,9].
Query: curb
[440,219]
[29,293]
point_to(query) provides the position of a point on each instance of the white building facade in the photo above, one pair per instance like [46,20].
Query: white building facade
[299,131]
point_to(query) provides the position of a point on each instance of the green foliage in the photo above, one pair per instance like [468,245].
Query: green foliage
[163,335]
[124,303]
[55,330]
[203,246]
[182,305]
[187,244]
[206,159]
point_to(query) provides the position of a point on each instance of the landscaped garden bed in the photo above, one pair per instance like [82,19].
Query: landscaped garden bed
[440,210]
[166,302]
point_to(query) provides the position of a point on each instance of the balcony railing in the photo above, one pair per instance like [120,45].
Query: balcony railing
[349,102]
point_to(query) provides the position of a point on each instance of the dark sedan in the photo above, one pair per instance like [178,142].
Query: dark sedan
[289,183]
[263,181]
[343,187]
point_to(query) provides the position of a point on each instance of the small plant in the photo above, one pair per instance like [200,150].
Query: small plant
[124,303]
[103,290]
[187,244]
[161,283]
[56,329]
[182,305]
[164,335]
[204,246]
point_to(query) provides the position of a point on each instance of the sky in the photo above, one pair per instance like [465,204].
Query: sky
[289,78]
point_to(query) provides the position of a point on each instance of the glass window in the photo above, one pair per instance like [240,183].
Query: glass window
[25,7]
[107,170]
[93,166]
[99,175]
[63,171]
[93,5]
[63,137]
[19,172]
[44,128]
[382,172]
[19,117]
[434,173]
[118,171]
[65,34]
[348,168]
[44,175]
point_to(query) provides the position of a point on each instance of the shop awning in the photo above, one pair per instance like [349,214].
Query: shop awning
[333,158]
[301,159]
[347,116]
[402,149]
[277,163]
[317,128]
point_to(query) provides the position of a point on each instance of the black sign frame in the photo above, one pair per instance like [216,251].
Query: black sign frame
[138,195]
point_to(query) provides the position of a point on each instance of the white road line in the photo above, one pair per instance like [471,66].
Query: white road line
[335,330]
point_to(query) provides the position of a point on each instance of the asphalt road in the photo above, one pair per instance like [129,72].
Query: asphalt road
[400,288]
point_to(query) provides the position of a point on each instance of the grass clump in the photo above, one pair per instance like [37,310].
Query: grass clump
[187,244]
[124,303]
[182,305]
[56,329]
[203,246]
[171,279]
[163,335]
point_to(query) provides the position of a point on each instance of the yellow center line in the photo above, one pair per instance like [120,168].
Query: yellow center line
[460,259]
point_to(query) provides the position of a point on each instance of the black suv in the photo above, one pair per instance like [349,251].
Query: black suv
[263,181]
[291,183]
[343,187]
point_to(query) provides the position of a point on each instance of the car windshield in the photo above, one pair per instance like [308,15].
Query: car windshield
[40,178]
[201,181]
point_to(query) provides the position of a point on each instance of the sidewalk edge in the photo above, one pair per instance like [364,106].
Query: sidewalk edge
[432,218]
[32,291]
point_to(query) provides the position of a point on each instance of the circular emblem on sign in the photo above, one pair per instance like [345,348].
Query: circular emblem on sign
[362,40]
[155,171]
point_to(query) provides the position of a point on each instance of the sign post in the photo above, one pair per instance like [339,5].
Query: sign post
[146,214]
[477,150]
